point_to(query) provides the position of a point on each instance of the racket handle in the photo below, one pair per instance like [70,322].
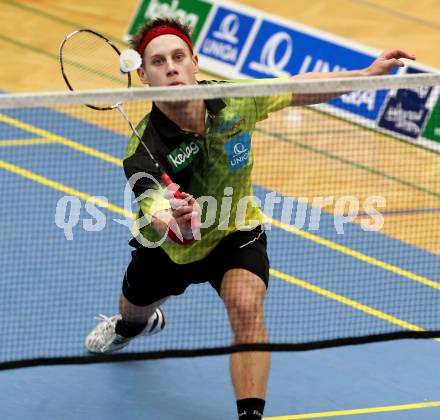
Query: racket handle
[167,181]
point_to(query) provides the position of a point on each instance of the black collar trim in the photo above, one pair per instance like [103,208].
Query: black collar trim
[168,128]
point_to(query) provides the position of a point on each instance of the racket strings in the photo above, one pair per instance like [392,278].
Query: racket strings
[90,62]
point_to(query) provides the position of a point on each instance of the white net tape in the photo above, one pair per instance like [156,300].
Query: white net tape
[318,86]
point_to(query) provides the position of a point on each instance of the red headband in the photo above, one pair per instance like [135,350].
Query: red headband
[163,30]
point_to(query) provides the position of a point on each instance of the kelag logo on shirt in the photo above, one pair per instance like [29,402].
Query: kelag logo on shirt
[183,155]
[238,150]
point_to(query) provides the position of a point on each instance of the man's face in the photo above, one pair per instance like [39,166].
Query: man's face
[168,62]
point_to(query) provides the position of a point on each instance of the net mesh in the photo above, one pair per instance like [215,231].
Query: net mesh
[352,216]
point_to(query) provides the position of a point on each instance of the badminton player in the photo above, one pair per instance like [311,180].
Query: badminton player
[205,146]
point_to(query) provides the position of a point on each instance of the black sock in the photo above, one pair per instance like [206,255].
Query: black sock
[250,408]
[128,329]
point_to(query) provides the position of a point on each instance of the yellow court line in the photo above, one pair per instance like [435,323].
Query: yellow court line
[355,254]
[60,187]
[329,244]
[62,140]
[357,411]
[63,188]
[24,142]
[346,301]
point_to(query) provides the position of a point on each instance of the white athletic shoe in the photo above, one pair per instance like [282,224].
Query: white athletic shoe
[103,339]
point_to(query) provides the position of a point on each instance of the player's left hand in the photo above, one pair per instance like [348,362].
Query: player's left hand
[387,61]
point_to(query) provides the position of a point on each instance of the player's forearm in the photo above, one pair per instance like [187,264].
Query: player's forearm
[328,75]
[317,98]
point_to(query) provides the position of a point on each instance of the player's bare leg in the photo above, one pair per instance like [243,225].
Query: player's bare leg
[137,314]
[243,294]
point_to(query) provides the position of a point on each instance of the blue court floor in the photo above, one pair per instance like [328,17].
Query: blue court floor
[49,299]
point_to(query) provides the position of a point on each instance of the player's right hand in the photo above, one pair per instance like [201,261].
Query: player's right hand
[185,212]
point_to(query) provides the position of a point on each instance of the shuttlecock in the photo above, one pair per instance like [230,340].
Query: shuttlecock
[129,60]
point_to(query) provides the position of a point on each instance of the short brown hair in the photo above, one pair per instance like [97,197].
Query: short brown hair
[138,37]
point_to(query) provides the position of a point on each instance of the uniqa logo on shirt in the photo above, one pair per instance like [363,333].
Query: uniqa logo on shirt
[183,155]
[238,150]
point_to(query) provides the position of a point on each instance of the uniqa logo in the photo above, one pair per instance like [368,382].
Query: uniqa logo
[241,155]
[268,59]
[239,148]
[228,29]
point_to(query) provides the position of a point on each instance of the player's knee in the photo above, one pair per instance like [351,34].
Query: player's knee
[245,312]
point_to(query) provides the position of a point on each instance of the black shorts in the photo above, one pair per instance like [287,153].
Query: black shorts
[152,275]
